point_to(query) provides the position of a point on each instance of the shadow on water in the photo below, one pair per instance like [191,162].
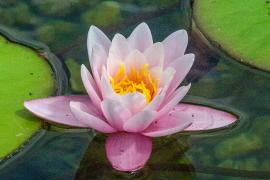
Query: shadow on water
[55,155]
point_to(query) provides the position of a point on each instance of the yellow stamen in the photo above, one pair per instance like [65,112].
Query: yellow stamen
[138,80]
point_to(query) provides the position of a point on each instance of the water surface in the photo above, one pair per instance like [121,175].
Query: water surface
[235,153]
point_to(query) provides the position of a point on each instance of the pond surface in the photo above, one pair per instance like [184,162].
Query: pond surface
[217,80]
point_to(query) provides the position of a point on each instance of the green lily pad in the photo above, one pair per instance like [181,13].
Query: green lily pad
[25,74]
[240,28]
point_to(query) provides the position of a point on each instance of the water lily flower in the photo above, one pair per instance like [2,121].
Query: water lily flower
[133,95]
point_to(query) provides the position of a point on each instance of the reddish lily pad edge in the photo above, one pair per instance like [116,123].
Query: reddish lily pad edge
[60,81]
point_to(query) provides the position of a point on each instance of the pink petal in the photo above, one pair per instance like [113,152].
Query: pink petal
[97,60]
[113,65]
[115,113]
[90,86]
[166,78]
[182,66]
[155,55]
[141,37]
[175,45]
[96,36]
[174,100]
[205,118]
[156,71]
[119,50]
[57,110]
[168,124]
[79,111]
[135,102]
[128,151]
[106,89]
[119,47]
[154,104]
[140,121]
[135,60]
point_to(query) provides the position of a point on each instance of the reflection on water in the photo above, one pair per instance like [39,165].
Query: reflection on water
[242,151]
[56,155]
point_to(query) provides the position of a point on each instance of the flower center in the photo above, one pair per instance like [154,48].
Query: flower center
[138,80]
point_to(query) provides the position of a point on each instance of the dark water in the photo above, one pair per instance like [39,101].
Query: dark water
[237,153]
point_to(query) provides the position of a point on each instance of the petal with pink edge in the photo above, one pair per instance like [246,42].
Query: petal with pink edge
[106,88]
[79,111]
[135,60]
[96,36]
[135,102]
[115,113]
[172,101]
[175,45]
[119,50]
[140,121]
[57,110]
[155,55]
[128,151]
[119,47]
[141,37]
[155,103]
[97,60]
[182,66]
[90,86]
[166,78]
[98,57]
[168,124]
[205,118]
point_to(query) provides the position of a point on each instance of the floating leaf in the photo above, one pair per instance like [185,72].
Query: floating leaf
[25,74]
[241,28]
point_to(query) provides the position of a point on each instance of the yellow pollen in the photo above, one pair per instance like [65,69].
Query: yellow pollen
[138,80]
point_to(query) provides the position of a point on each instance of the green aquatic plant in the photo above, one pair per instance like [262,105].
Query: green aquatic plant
[104,14]
[241,28]
[26,74]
